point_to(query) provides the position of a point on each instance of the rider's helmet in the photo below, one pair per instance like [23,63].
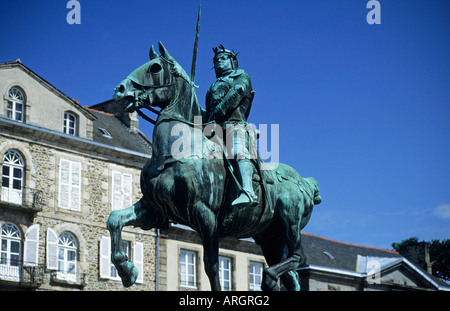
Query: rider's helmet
[231,54]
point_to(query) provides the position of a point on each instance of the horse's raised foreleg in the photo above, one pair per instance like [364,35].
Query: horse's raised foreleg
[135,215]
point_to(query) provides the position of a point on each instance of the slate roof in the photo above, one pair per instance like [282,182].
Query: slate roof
[327,253]
[324,252]
[120,135]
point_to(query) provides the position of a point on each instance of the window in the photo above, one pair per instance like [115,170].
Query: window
[188,269]
[70,124]
[104,132]
[16,103]
[69,185]
[121,190]
[10,252]
[12,177]
[67,257]
[135,254]
[225,273]
[255,275]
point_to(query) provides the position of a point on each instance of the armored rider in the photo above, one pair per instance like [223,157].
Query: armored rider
[228,103]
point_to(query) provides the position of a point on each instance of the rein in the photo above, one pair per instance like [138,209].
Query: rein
[165,117]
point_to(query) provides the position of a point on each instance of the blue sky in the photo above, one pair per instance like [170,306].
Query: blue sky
[363,108]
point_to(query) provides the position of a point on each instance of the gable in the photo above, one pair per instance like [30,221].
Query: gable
[400,276]
[44,105]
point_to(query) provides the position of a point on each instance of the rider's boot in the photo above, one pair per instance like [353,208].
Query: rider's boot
[247,196]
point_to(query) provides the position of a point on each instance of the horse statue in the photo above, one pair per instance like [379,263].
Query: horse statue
[193,189]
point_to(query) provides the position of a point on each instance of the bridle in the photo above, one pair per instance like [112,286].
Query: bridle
[169,83]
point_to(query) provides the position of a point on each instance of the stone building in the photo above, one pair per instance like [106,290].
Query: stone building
[330,266]
[64,169]
[180,261]
[338,266]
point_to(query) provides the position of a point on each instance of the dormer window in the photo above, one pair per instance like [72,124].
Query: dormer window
[16,104]
[104,132]
[70,123]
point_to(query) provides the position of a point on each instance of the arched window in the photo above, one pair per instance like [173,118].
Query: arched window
[10,251]
[67,257]
[70,123]
[12,177]
[16,105]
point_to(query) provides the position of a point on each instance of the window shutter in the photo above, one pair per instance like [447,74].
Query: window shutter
[31,249]
[69,185]
[126,190]
[105,257]
[75,186]
[64,183]
[117,191]
[138,260]
[52,250]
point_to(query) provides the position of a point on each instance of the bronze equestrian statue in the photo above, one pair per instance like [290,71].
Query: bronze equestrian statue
[198,190]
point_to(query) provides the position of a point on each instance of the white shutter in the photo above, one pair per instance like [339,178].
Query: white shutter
[75,186]
[126,190]
[116,191]
[69,185]
[31,249]
[52,250]
[138,260]
[105,257]
[64,183]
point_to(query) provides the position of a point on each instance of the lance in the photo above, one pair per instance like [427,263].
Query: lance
[197,33]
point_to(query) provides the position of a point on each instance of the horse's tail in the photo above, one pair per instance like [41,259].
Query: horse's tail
[315,187]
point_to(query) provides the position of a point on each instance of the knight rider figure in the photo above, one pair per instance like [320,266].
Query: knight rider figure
[228,103]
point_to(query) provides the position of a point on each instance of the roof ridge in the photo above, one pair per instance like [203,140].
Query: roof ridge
[107,113]
[350,244]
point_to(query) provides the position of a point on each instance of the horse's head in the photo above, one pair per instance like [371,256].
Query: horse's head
[152,84]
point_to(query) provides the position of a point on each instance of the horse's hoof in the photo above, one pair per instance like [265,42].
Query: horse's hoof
[269,282]
[129,277]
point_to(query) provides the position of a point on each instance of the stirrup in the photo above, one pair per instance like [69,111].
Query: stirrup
[239,202]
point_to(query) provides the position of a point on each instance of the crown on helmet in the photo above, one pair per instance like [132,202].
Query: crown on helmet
[221,50]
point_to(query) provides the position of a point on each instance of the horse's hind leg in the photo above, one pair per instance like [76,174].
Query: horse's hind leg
[290,281]
[135,215]
[283,250]
[282,260]
[207,228]
[286,270]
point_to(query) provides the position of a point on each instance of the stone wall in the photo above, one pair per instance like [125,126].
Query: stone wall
[174,239]
[42,161]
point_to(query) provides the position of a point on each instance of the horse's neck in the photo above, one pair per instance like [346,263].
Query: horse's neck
[182,112]
[184,105]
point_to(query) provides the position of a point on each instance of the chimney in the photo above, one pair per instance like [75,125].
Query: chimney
[418,254]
